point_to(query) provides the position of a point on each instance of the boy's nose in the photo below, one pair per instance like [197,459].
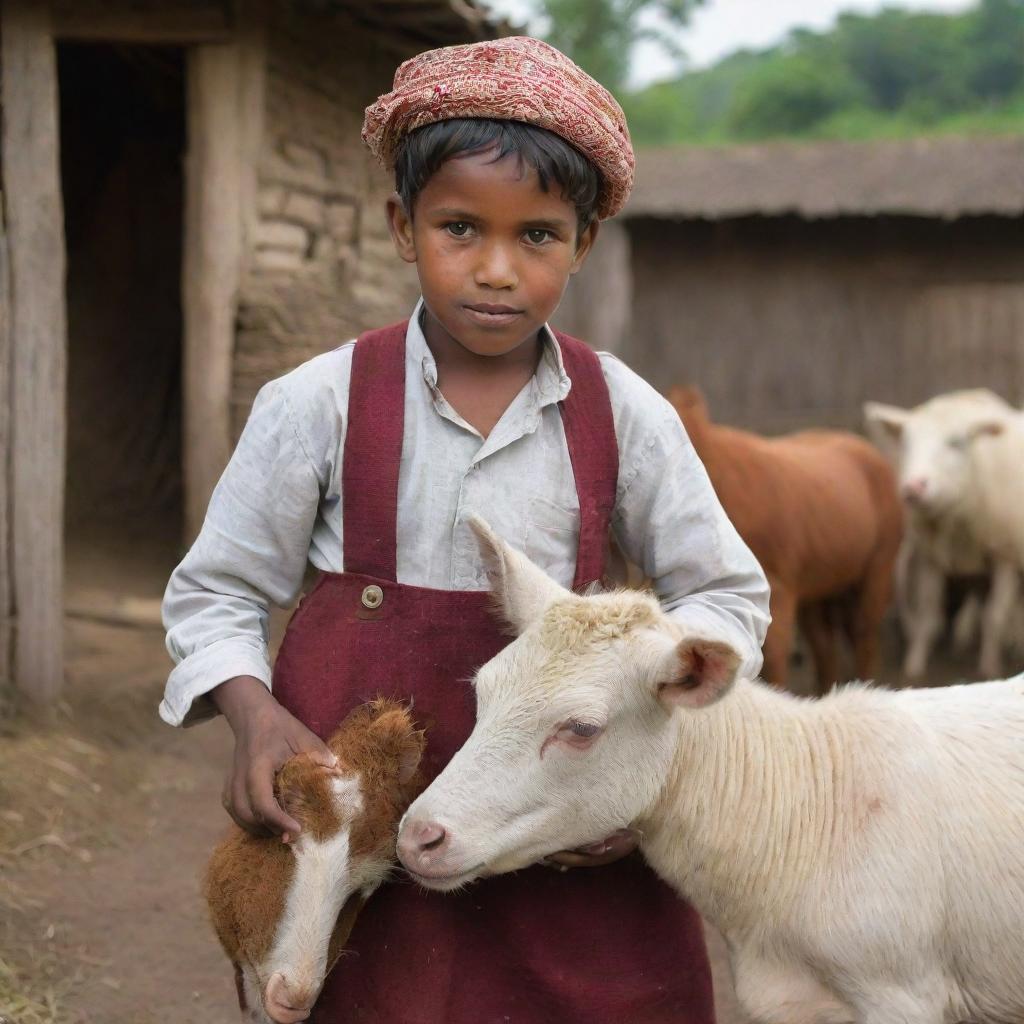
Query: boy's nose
[496,269]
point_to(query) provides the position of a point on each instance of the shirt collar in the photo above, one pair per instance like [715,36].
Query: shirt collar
[551,381]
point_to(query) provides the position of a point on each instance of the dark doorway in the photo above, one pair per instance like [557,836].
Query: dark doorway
[122,111]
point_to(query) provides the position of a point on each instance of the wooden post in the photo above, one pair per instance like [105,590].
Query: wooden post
[38,332]
[6,611]
[225,104]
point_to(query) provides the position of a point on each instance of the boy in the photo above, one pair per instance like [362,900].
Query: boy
[367,460]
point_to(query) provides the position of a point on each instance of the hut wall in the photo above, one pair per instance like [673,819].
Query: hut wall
[787,323]
[608,274]
[321,266]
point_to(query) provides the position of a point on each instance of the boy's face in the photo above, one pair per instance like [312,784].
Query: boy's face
[493,250]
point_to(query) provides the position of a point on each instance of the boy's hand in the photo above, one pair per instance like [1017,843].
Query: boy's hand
[265,737]
[612,848]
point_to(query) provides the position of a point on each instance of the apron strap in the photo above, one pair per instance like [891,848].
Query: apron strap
[594,454]
[373,452]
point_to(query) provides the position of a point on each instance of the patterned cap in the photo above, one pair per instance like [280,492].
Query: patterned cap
[513,79]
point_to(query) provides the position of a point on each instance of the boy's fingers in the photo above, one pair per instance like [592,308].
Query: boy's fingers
[324,757]
[610,849]
[241,813]
[266,810]
[315,749]
[568,859]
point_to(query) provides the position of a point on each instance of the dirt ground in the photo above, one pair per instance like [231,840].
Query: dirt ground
[106,818]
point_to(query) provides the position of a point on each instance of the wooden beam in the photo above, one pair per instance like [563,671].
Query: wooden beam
[93,21]
[6,611]
[225,114]
[38,328]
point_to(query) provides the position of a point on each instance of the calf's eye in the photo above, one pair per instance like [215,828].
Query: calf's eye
[584,730]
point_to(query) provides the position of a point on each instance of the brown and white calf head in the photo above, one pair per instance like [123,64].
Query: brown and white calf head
[283,912]
[575,727]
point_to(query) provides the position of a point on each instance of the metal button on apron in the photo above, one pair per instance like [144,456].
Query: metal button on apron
[373,596]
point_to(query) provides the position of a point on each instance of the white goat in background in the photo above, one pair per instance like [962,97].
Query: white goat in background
[959,458]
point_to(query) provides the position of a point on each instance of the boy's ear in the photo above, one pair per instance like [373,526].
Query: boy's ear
[400,226]
[584,244]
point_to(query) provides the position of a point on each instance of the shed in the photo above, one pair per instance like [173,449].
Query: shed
[793,281]
[187,211]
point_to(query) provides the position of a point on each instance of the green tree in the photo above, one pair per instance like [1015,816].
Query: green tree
[600,35]
[888,75]
[995,35]
[789,96]
[903,57]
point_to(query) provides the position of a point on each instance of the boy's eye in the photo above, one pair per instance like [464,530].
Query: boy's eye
[458,228]
[537,236]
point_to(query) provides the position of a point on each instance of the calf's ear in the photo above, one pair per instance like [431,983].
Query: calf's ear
[698,672]
[399,740]
[521,591]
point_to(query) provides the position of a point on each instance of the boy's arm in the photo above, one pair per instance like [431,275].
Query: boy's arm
[251,551]
[669,522]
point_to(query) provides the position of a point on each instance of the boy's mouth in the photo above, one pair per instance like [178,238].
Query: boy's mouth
[491,315]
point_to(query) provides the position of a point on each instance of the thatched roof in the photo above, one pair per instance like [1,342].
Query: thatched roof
[943,177]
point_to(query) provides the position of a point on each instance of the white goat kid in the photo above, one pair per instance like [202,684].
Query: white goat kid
[863,854]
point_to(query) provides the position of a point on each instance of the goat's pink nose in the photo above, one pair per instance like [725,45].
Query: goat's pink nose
[915,490]
[421,842]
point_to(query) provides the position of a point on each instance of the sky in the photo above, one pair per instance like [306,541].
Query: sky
[722,26]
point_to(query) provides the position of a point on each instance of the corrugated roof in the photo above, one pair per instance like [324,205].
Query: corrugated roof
[941,177]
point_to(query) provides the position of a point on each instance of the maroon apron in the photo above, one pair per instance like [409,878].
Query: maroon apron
[609,945]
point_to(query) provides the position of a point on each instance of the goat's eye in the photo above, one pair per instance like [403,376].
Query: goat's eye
[579,734]
[575,733]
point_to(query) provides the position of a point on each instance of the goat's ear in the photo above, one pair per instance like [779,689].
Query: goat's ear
[698,672]
[986,428]
[885,422]
[521,591]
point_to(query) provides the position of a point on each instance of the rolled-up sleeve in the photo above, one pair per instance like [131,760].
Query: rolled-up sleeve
[250,553]
[670,523]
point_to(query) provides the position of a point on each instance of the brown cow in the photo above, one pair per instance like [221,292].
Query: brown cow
[282,911]
[821,512]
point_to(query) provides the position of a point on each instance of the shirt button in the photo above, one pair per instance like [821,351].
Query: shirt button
[373,596]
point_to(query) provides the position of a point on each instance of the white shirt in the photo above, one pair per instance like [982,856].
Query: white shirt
[278,505]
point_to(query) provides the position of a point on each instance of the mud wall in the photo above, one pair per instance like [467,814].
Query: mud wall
[322,267]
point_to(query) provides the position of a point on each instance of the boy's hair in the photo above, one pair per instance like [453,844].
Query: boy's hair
[424,150]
